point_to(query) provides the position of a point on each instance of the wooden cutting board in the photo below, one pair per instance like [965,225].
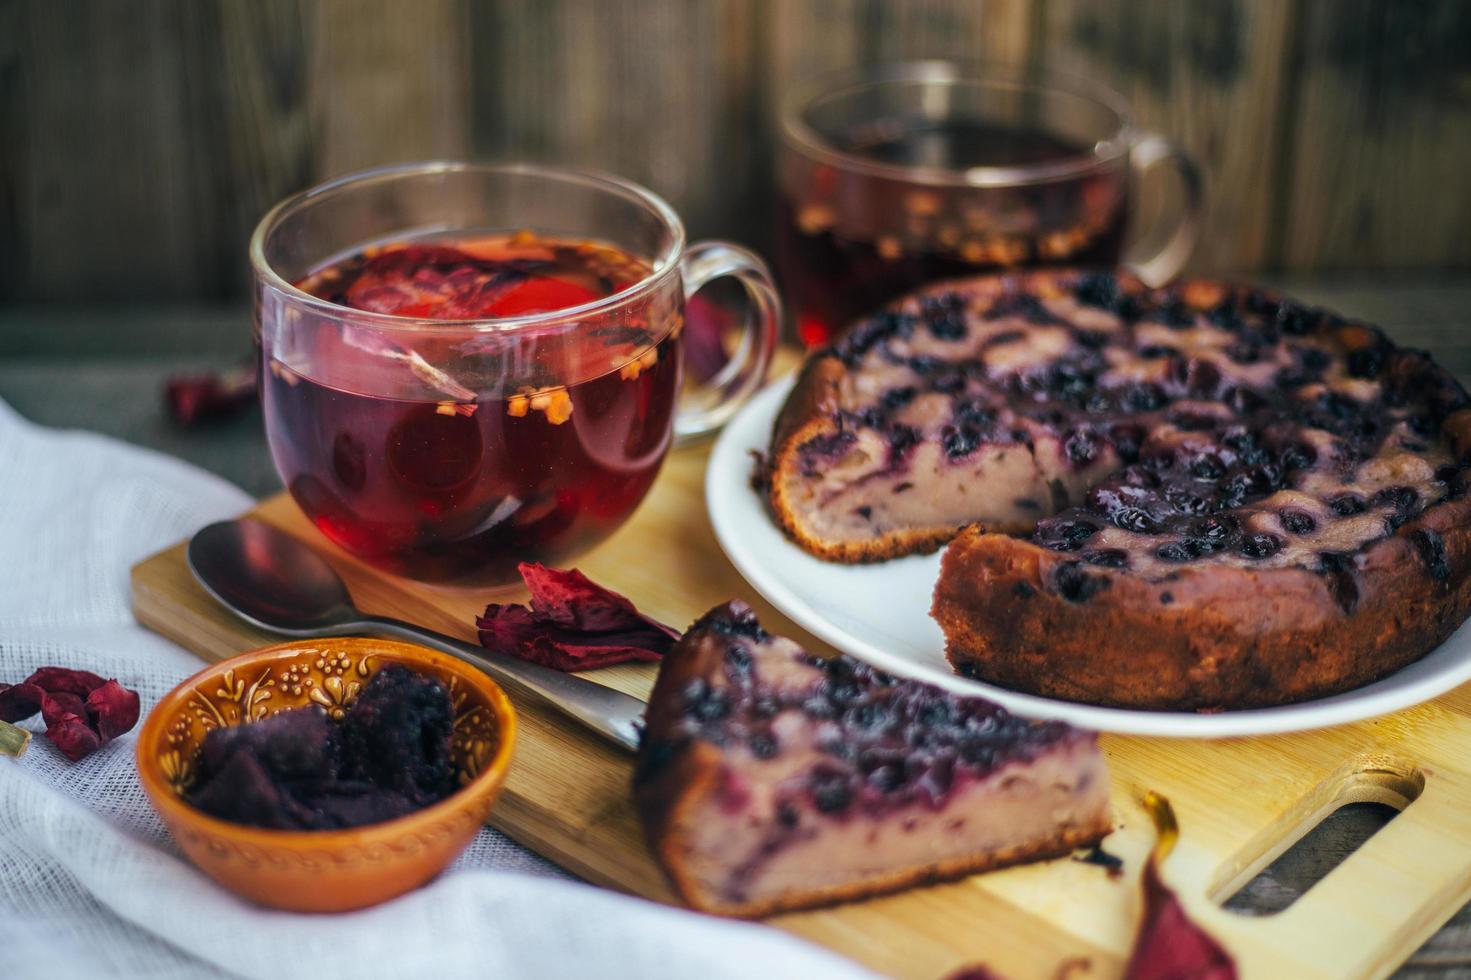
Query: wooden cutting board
[1240,802]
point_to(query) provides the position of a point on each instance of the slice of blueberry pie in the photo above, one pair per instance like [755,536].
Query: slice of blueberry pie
[770,779]
[1200,497]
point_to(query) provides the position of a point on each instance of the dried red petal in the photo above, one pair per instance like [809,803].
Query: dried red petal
[55,706]
[569,598]
[1169,946]
[73,736]
[56,680]
[506,627]
[561,655]
[431,281]
[113,709]
[519,631]
[541,294]
[705,324]
[82,711]
[572,624]
[1072,968]
[19,701]
[194,398]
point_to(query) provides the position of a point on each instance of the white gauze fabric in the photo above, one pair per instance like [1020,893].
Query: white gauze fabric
[91,885]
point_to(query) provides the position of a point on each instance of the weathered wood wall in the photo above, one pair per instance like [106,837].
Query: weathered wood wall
[140,139]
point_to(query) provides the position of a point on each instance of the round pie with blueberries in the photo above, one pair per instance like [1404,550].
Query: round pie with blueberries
[1203,497]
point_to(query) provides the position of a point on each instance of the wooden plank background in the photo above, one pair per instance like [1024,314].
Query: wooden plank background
[140,140]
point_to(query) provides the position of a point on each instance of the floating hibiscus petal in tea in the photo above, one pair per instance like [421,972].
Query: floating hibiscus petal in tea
[572,624]
[82,711]
[1169,946]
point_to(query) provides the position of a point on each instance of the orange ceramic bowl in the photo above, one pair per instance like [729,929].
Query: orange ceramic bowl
[323,870]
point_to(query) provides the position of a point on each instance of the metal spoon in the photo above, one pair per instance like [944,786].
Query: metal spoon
[271,579]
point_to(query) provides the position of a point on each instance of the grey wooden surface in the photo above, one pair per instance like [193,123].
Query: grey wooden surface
[141,140]
[104,370]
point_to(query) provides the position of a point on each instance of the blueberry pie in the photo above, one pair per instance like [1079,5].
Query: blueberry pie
[770,779]
[1201,497]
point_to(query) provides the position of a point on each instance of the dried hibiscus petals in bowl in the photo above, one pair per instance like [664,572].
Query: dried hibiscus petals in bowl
[572,623]
[82,711]
[299,769]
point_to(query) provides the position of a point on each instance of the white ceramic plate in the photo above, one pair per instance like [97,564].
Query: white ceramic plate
[880,613]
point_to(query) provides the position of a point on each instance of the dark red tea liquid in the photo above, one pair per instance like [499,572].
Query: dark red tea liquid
[849,242]
[386,443]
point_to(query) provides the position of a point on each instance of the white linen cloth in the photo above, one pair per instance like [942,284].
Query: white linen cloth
[92,886]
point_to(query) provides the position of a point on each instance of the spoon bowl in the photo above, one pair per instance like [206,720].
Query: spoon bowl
[269,579]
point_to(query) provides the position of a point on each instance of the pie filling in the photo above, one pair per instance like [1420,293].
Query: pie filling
[832,772]
[1131,429]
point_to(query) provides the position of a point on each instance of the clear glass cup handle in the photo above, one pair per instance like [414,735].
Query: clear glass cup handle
[706,408]
[1148,151]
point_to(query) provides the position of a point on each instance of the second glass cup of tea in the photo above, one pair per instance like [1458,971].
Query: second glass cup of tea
[467,366]
[916,172]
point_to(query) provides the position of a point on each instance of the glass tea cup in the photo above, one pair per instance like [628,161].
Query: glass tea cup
[911,173]
[452,449]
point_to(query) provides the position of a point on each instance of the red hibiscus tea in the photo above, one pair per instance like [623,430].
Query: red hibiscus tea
[911,173]
[849,241]
[447,398]
[458,453]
